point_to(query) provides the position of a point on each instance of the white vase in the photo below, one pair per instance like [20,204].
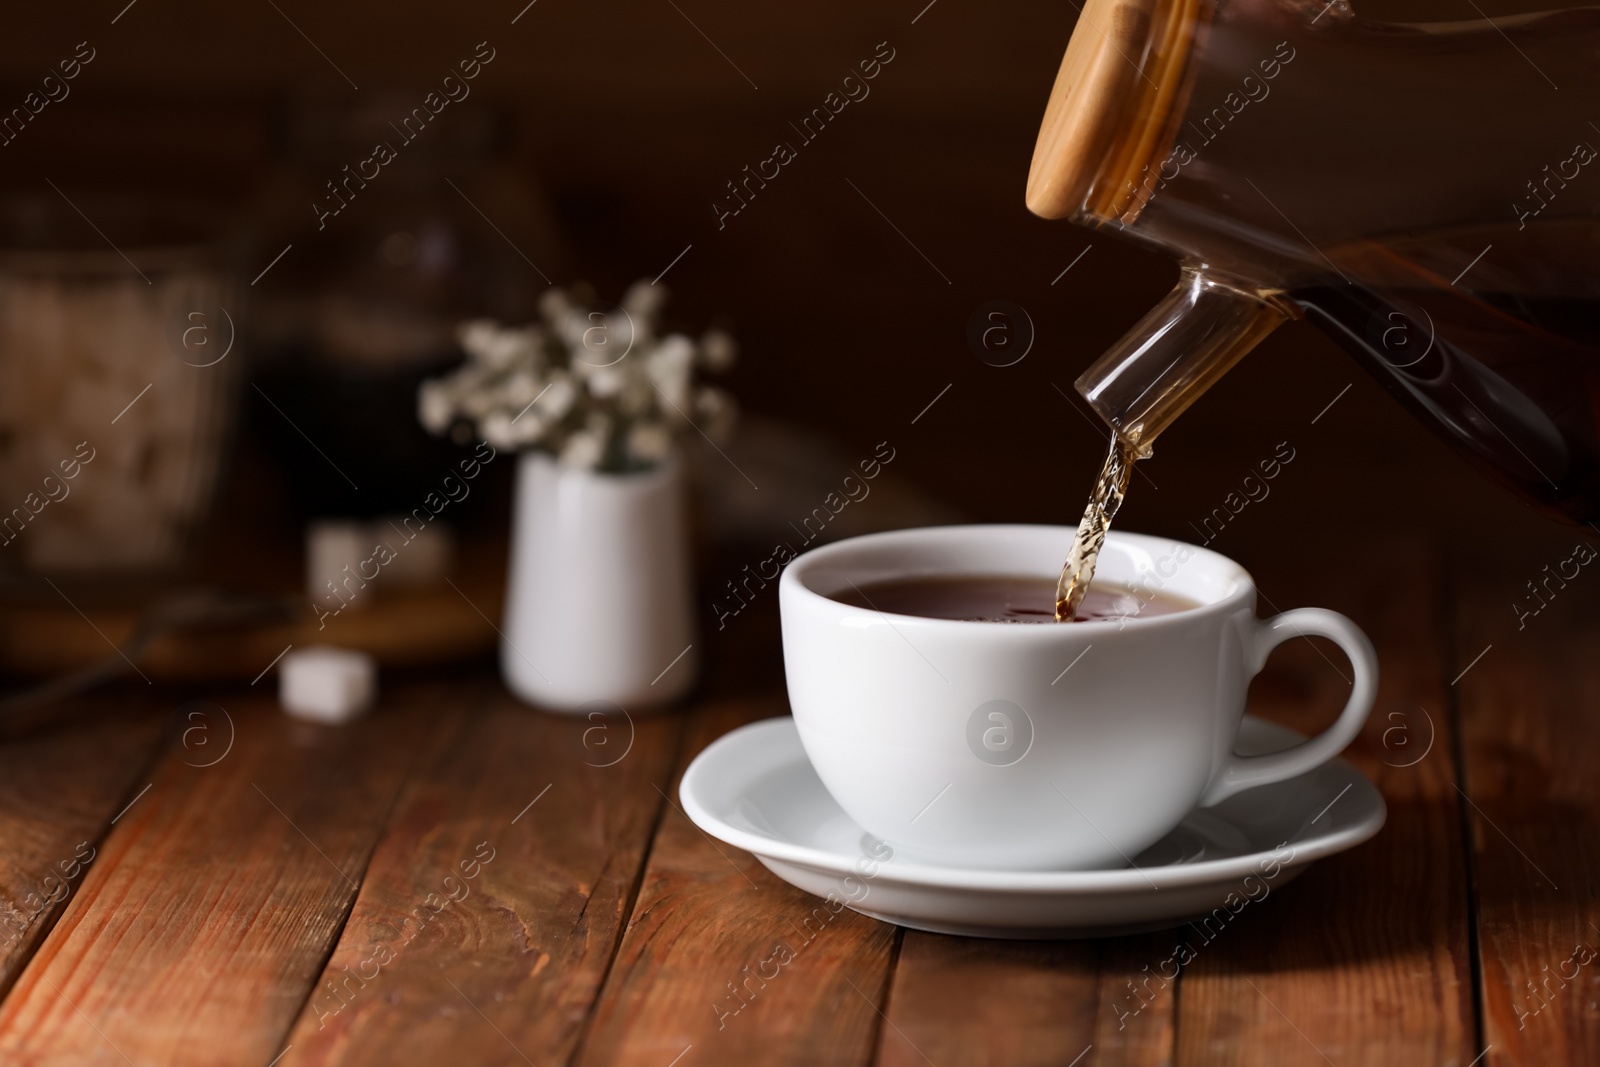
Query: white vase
[597,598]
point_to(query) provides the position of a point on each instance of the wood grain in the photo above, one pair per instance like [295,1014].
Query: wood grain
[1531,727]
[59,792]
[969,1001]
[1364,960]
[196,934]
[709,917]
[495,900]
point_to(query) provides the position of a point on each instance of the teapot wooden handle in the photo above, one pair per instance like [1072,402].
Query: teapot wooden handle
[1107,120]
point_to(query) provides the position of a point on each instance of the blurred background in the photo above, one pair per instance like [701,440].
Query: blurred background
[183,165]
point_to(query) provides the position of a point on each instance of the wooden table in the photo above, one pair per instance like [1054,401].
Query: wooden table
[458,879]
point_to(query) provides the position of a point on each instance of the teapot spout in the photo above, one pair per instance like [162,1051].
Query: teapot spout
[1175,353]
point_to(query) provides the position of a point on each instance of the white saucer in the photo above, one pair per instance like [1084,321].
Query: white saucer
[754,789]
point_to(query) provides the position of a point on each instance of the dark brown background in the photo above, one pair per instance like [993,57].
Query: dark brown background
[631,122]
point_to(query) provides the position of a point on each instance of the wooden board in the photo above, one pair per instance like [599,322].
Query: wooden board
[1365,959]
[688,987]
[412,628]
[1042,1003]
[195,935]
[493,905]
[1530,709]
[59,792]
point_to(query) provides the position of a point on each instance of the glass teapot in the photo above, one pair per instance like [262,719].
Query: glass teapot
[1425,193]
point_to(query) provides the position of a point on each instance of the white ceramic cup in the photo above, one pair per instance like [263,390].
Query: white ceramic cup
[1038,747]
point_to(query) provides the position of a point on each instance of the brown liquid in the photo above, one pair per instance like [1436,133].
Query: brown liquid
[1003,599]
[1078,571]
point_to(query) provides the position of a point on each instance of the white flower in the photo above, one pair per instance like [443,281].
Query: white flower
[573,330]
[526,428]
[622,332]
[596,339]
[505,349]
[669,367]
[558,396]
[554,306]
[520,389]
[718,350]
[606,382]
[497,430]
[716,412]
[470,380]
[649,442]
[476,336]
[591,387]
[436,406]
[643,300]
[582,451]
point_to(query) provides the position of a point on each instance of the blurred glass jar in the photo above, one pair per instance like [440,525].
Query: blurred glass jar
[118,374]
[399,225]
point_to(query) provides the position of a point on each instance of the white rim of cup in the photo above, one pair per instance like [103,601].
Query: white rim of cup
[795,580]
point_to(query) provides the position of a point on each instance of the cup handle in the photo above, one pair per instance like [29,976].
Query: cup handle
[1243,772]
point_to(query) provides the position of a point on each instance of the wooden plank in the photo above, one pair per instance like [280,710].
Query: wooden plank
[684,988]
[494,902]
[196,934]
[1530,707]
[59,791]
[1135,1018]
[399,627]
[1364,960]
[1033,1002]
